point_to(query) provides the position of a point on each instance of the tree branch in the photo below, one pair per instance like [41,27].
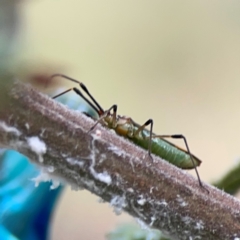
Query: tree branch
[157,193]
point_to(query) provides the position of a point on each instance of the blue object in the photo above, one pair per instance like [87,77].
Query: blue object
[25,210]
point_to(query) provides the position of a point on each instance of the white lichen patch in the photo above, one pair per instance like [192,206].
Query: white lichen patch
[199,225]
[42,132]
[130,190]
[74,161]
[103,157]
[45,177]
[103,176]
[181,201]
[42,177]
[153,219]
[59,134]
[98,133]
[151,190]
[37,146]
[142,224]
[10,128]
[137,210]
[116,150]
[55,184]
[92,185]
[50,169]
[141,200]
[187,220]
[132,165]
[162,202]
[118,203]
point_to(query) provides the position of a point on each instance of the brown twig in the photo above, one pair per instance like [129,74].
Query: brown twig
[157,193]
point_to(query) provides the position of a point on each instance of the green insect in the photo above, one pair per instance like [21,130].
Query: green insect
[126,127]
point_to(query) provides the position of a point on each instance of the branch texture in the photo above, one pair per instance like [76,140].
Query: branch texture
[157,193]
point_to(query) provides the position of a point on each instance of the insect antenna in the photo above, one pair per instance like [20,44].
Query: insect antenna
[96,106]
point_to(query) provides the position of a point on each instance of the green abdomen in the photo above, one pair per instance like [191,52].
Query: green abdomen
[168,152]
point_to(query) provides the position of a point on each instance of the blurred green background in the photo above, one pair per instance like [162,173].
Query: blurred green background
[177,62]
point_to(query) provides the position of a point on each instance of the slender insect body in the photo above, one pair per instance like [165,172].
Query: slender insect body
[126,127]
[122,125]
[170,152]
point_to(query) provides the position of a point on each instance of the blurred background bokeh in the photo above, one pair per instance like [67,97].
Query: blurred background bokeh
[177,62]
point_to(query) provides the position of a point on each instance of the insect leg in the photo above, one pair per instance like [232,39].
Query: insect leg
[78,92]
[62,93]
[114,119]
[97,107]
[141,128]
[177,136]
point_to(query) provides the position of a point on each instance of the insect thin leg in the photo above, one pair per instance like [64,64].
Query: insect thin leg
[84,88]
[78,92]
[62,93]
[188,150]
[114,108]
[141,128]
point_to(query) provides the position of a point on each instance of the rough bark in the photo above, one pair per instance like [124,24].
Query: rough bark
[157,193]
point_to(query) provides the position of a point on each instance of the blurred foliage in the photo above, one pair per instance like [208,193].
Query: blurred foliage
[230,182]
[9,21]
[8,45]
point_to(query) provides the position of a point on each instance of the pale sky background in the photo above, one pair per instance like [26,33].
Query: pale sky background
[177,62]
